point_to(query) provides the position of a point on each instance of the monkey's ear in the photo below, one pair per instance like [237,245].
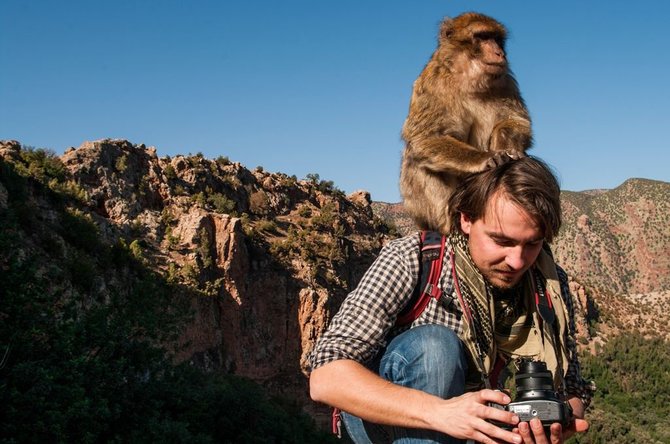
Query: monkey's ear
[446,28]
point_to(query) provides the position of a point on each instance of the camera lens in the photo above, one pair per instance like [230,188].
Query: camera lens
[534,381]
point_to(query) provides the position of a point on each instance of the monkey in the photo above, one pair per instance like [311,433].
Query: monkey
[466,114]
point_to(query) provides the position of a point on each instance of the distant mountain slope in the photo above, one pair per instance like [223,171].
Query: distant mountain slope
[612,240]
[618,240]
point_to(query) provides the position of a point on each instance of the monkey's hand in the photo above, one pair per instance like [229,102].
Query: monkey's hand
[498,159]
[511,136]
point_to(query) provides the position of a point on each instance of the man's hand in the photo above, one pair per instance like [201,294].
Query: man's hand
[533,433]
[468,417]
[353,388]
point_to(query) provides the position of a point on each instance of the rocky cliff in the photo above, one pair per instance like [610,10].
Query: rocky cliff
[618,240]
[265,259]
[268,257]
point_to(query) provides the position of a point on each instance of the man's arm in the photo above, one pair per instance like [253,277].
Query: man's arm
[359,329]
[353,388]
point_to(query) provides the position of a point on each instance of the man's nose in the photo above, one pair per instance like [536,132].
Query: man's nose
[516,258]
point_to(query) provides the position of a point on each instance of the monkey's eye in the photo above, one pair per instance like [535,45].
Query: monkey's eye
[483,35]
[488,35]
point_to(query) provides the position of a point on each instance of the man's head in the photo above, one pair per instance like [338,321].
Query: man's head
[507,212]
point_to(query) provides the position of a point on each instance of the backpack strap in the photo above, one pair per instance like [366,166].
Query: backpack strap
[433,246]
[336,422]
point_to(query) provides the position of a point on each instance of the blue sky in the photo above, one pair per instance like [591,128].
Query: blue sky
[323,86]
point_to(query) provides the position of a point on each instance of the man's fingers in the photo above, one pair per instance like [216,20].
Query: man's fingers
[556,433]
[488,395]
[581,426]
[495,433]
[498,414]
[538,431]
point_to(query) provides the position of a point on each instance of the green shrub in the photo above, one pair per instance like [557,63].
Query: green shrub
[135,250]
[170,172]
[221,203]
[79,229]
[179,190]
[313,178]
[325,220]
[199,199]
[204,248]
[269,226]
[69,188]
[121,163]
[42,164]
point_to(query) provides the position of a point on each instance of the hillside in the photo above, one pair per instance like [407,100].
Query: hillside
[234,271]
[256,263]
[618,240]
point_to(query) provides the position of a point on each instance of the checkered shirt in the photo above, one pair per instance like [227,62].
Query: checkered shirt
[366,320]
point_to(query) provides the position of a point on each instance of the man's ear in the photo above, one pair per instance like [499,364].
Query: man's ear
[466,223]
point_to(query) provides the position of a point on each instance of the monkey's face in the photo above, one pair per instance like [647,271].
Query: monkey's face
[487,50]
[504,243]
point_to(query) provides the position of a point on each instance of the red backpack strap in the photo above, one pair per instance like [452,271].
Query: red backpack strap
[433,246]
[336,422]
[494,377]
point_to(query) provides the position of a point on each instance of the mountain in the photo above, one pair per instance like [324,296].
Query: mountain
[618,240]
[263,259]
[247,267]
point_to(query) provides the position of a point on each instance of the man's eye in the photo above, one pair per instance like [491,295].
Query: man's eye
[503,242]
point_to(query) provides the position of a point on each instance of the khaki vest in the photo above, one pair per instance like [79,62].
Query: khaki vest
[544,334]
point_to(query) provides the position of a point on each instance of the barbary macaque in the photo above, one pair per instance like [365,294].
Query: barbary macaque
[466,114]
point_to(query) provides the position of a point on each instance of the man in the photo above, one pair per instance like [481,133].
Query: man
[424,382]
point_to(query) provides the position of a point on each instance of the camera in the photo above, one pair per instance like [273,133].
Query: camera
[536,397]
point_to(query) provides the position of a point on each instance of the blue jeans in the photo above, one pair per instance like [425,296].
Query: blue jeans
[430,358]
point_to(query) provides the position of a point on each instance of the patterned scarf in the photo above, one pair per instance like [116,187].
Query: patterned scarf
[476,294]
[477,298]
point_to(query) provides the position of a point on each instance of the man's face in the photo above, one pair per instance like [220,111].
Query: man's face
[504,243]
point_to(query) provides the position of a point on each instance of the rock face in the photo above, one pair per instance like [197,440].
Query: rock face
[618,240]
[266,259]
[269,257]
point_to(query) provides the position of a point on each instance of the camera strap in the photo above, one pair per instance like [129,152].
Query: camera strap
[545,309]
[542,302]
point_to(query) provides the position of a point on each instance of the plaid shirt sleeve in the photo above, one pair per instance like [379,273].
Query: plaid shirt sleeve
[575,384]
[359,329]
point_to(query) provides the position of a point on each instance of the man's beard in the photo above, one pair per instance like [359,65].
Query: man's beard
[503,280]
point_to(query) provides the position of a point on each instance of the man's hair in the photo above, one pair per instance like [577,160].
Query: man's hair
[528,182]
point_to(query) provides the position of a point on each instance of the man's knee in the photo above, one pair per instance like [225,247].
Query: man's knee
[429,358]
[427,342]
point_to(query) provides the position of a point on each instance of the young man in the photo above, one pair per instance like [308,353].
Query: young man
[432,381]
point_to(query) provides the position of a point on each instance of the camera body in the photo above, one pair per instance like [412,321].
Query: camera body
[536,397]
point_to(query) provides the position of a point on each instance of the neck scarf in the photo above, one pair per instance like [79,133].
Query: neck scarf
[477,299]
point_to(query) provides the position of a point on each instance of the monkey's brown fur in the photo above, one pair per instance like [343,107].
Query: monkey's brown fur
[466,114]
